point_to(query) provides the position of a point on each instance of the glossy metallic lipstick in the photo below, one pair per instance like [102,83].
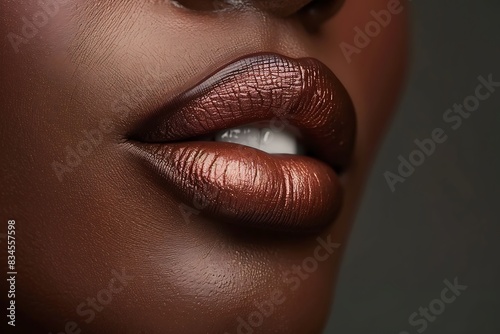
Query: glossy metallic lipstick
[244,185]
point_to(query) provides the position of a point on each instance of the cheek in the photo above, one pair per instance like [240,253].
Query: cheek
[367,48]
[372,67]
[373,78]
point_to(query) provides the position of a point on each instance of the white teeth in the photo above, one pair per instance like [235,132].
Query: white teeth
[268,140]
[248,136]
[278,141]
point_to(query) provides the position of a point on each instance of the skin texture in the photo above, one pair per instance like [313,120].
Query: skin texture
[98,63]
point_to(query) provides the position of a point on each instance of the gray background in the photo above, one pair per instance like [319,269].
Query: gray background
[443,222]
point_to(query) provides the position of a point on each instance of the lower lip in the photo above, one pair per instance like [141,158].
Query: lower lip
[246,186]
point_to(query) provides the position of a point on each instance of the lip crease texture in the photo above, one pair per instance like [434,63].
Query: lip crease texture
[243,185]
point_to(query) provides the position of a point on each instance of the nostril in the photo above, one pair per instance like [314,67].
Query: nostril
[317,12]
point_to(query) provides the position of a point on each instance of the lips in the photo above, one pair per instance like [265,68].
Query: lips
[242,185]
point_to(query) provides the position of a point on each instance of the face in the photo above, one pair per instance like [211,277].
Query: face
[139,205]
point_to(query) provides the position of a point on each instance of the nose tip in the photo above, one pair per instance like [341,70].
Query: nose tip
[281,8]
[310,13]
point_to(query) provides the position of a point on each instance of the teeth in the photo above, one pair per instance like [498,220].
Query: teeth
[248,136]
[267,140]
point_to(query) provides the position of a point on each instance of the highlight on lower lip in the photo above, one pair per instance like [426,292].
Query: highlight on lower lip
[246,186]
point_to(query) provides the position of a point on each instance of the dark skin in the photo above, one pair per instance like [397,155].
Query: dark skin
[105,213]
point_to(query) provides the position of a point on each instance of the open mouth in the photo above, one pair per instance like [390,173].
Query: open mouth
[262,140]
[272,138]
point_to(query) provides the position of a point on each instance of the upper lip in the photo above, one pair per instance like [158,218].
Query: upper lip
[302,93]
